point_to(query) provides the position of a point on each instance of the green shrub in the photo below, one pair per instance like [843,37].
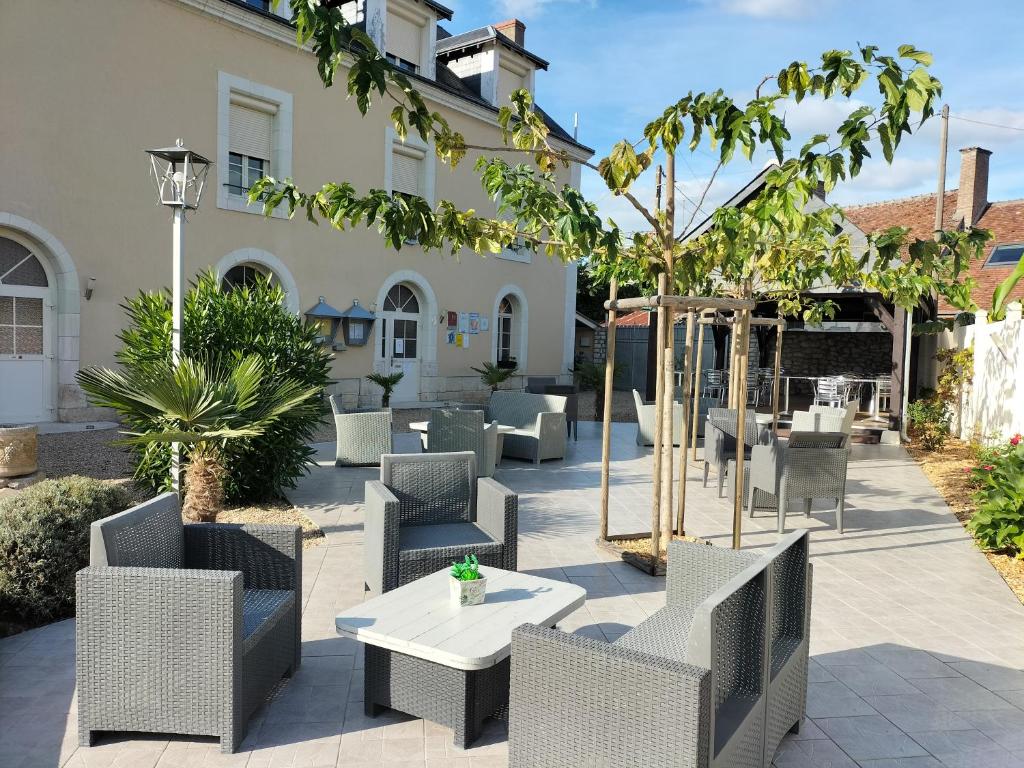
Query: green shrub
[253,320]
[929,422]
[44,540]
[998,521]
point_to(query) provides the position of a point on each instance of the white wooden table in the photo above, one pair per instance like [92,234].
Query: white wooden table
[447,663]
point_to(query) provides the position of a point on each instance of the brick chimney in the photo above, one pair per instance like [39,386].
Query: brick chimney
[514,30]
[972,198]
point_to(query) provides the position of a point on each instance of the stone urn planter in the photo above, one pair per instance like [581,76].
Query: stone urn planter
[18,450]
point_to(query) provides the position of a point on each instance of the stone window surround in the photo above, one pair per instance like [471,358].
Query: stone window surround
[521,324]
[428,168]
[280,164]
[265,259]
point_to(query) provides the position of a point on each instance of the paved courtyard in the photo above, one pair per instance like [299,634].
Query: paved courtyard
[917,644]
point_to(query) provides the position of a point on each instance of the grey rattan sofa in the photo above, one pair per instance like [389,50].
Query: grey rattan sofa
[539,422]
[646,420]
[462,429]
[714,679]
[430,509]
[184,628]
[811,465]
[363,435]
[720,441]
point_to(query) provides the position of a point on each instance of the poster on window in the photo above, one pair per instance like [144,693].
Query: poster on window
[399,346]
[474,322]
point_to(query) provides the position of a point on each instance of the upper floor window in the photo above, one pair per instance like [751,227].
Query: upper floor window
[254,140]
[403,64]
[1005,255]
[407,171]
[260,5]
[250,145]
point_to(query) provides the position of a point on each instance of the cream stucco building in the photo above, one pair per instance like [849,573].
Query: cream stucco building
[80,226]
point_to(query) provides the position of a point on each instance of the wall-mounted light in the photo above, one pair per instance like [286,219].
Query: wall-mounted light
[327,320]
[356,322]
[90,284]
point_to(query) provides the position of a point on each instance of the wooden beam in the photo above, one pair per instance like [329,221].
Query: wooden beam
[606,432]
[772,321]
[683,303]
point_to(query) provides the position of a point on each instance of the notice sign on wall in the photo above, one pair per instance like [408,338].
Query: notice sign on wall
[474,322]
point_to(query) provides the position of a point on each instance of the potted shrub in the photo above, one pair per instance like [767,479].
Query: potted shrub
[493,375]
[468,587]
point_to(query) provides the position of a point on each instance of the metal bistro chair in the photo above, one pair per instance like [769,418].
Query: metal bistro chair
[714,384]
[829,391]
[884,385]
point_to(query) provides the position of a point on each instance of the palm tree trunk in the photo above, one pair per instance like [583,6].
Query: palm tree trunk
[204,488]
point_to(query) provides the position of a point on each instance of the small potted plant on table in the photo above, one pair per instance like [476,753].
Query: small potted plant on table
[468,587]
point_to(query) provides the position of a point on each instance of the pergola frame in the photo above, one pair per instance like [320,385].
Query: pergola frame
[668,305]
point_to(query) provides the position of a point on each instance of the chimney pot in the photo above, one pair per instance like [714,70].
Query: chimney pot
[514,30]
[972,197]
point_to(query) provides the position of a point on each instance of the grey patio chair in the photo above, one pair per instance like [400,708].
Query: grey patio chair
[829,391]
[810,465]
[571,393]
[720,441]
[647,420]
[714,679]
[459,429]
[184,628]
[824,418]
[537,384]
[430,509]
[538,423]
[363,435]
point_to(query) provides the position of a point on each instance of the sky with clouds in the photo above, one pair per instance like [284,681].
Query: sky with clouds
[620,62]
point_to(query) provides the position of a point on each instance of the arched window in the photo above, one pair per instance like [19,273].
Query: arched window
[19,267]
[506,324]
[401,299]
[242,276]
[21,305]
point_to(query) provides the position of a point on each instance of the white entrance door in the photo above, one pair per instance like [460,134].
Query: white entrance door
[24,340]
[400,342]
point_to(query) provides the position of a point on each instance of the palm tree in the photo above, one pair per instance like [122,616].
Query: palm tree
[387,382]
[493,376]
[202,404]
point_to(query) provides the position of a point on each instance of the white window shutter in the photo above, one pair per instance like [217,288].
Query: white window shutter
[250,132]
[405,173]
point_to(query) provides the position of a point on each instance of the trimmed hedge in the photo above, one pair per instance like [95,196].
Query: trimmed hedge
[44,541]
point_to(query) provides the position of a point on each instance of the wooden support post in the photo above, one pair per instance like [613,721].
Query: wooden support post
[741,344]
[685,397]
[668,425]
[658,409]
[776,378]
[696,393]
[606,431]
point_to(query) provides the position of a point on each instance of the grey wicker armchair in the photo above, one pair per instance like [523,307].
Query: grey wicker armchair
[184,628]
[646,420]
[720,441]
[461,429]
[428,510]
[811,465]
[363,434]
[715,678]
[538,421]
[824,418]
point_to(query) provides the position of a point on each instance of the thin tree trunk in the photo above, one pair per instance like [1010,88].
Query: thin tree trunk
[658,427]
[668,363]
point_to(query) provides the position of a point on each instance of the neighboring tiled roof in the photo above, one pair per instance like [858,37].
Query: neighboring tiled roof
[486,34]
[641,319]
[1005,219]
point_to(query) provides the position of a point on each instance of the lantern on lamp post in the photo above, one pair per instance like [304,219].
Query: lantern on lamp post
[180,175]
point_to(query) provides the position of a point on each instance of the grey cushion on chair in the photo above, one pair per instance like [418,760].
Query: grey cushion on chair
[442,535]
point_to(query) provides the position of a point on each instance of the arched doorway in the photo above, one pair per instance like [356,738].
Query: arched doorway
[401,337]
[26,328]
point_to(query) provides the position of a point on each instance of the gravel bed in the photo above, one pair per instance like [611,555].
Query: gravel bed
[88,453]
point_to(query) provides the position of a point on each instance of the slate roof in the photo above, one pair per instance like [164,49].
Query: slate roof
[1005,219]
[453,43]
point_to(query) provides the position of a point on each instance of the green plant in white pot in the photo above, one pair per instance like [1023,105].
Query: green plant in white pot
[468,586]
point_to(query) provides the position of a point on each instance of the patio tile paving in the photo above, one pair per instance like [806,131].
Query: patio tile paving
[917,644]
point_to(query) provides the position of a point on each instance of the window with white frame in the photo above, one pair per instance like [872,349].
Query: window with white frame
[407,171]
[254,140]
[404,42]
[250,143]
[242,276]
[504,331]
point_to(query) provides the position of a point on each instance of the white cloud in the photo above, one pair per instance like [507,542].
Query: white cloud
[524,9]
[770,8]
